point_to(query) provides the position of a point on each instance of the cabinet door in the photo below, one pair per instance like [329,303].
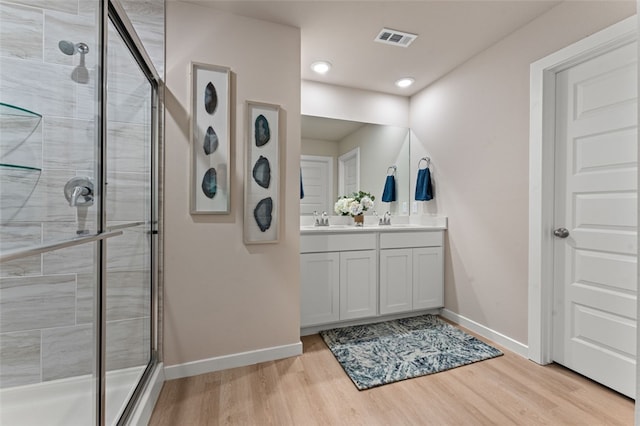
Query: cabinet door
[358,284]
[428,284]
[396,280]
[320,288]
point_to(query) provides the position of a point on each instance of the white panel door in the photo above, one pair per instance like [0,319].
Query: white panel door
[396,280]
[319,288]
[358,284]
[349,172]
[317,181]
[595,284]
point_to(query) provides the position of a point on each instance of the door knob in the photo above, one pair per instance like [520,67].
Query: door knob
[561,232]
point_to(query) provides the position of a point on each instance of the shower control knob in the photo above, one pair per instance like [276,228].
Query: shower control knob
[561,232]
[79,191]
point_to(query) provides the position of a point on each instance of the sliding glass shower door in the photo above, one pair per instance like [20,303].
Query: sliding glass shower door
[78,213]
[128,208]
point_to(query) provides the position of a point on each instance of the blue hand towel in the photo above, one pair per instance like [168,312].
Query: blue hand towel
[389,192]
[301,188]
[423,185]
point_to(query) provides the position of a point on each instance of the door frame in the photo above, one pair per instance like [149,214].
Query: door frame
[541,175]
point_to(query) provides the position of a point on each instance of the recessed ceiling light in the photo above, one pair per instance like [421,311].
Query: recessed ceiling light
[321,67]
[405,82]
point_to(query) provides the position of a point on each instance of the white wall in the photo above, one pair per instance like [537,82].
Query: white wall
[221,296]
[474,124]
[344,103]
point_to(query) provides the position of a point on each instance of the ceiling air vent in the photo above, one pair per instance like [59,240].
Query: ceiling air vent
[395,38]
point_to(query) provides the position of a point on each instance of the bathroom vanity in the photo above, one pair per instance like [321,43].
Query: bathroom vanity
[356,274]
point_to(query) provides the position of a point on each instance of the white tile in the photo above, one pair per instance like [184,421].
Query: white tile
[128,147]
[67,352]
[69,6]
[128,343]
[80,259]
[14,236]
[36,196]
[28,303]
[129,98]
[130,251]
[46,89]
[18,195]
[147,17]
[71,144]
[128,196]
[19,358]
[21,141]
[20,32]
[128,294]
[73,28]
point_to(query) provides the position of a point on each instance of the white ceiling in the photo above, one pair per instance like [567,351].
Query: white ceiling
[342,32]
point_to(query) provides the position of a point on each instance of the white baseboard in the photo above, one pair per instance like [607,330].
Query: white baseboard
[509,343]
[241,359]
[144,409]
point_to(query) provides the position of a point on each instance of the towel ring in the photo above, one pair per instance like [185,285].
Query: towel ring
[427,159]
[393,170]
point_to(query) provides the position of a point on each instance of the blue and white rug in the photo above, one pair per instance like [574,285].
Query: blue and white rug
[386,352]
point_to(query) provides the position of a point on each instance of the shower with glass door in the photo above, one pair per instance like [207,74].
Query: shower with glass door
[79,149]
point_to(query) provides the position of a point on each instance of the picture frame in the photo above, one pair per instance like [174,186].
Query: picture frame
[262,174]
[210,130]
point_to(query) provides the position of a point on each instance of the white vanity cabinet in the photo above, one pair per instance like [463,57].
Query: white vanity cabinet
[338,277]
[320,288]
[411,271]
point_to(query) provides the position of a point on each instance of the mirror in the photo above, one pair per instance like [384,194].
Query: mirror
[339,156]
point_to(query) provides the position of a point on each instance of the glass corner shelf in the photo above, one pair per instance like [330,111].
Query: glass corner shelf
[16,111]
[17,125]
[18,183]
[18,167]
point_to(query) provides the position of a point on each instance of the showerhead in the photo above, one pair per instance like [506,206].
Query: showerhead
[69,48]
[80,74]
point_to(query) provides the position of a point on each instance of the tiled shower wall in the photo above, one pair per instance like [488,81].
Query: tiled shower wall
[47,301]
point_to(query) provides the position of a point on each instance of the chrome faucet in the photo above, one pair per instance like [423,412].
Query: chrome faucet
[386,219]
[320,220]
[324,219]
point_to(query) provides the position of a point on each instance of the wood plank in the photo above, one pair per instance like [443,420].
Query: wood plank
[314,390]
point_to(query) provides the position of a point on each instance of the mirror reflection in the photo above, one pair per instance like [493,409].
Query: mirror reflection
[339,157]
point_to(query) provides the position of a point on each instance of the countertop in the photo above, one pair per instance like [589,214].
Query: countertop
[427,223]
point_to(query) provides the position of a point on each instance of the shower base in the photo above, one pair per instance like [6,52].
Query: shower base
[67,402]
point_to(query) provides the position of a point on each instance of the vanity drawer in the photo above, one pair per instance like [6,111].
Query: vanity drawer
[337,242]
[410,239]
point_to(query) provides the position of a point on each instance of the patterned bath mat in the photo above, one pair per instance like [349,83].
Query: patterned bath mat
[386,352]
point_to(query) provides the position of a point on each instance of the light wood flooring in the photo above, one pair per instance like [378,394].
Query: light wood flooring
[314,390]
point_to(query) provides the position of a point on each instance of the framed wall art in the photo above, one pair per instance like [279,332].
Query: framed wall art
[262,174]
[210,144]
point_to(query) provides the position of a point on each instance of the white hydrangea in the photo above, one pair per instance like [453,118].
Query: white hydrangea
[355,208]
[367,203]
[354,205]
[342,206]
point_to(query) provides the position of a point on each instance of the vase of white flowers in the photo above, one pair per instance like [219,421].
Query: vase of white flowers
[354,205]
